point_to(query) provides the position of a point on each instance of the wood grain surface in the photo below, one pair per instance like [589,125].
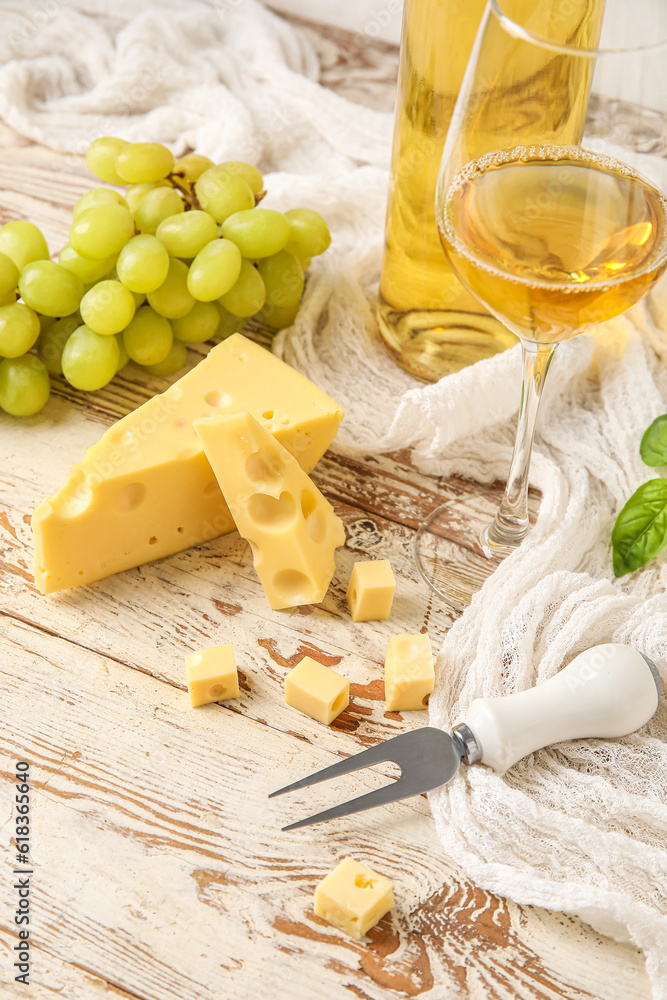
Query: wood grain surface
[160,869]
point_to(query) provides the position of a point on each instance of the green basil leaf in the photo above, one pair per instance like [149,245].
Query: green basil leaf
[640,531]
[653,448]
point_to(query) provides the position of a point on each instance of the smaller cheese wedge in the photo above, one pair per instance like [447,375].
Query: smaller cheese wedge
[353,897]
[292,529]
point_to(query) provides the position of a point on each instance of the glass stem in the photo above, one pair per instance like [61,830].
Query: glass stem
[511,525]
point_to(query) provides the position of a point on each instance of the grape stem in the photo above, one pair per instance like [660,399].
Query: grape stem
[187,189]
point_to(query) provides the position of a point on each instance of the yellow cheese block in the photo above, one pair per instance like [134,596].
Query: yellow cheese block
[353,897]
[292,529]
[409,675]
[317,691]
[146,489]
[212,675]
[370,592]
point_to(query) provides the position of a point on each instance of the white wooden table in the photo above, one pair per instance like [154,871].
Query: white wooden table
[160,872]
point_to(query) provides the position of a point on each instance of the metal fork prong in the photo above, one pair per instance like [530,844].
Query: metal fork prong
[380,797]
[374,755]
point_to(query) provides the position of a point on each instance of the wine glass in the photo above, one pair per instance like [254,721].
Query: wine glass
[551,210]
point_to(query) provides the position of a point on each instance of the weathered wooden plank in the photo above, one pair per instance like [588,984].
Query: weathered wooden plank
[160,869]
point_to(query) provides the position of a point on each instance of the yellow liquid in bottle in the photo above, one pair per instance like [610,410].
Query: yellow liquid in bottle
[431,324]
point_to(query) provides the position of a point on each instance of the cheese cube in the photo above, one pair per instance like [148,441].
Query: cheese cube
[317,691]
[212,675]
[408,673]
[371,590]
[353,897]
[292,529]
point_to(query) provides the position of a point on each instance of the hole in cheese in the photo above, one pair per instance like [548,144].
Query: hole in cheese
[217,690]
[217,399]
[268,414]
[338,702]
[264,466]
[152,541]
[406,648]
[195,659]
[272,514]
[122,437]
[313,516]
[74,503]
[426,699]
[180,531]
[363,882]
[130,496]
[211,488]
[293,586]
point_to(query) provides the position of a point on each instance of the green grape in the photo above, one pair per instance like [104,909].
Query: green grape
[184,235]
[174,361]
[24,385]
[191,166]
[200,324]
[7,299]
[257,233]
[44,321]
[221,194]
[107,307]
[144,161]
[172,299]
[52,342]
[22,242]
[143,264]
[228,324]
[98,196]
[250,174]
[248,294]
[282,275]
[123,356]
[89,271]
[101,158]
[278,317]
[148,338]
[214,270]
[50,288]
[156,206]
[9,275]
[139,299]
[136,192]
[101,231]
[89,360]
[19,329]
[310,234]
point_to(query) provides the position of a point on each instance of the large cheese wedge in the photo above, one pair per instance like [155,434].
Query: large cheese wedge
[146,489]
[292,529]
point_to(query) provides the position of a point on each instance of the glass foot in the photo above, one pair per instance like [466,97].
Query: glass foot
[453,551]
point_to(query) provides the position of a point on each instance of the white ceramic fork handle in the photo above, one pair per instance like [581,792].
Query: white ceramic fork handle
[608,690]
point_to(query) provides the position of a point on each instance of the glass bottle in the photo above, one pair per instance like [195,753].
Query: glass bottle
[428,321]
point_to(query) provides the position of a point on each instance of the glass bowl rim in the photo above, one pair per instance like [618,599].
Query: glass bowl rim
[518,31]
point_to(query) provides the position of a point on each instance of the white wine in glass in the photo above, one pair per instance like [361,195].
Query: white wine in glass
[552,238]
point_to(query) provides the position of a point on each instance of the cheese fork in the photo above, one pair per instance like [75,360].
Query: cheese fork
[607,691]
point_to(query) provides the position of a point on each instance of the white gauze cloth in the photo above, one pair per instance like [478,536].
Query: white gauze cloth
[580,827]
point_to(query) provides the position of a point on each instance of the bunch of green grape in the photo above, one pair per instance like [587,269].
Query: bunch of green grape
[184,257]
